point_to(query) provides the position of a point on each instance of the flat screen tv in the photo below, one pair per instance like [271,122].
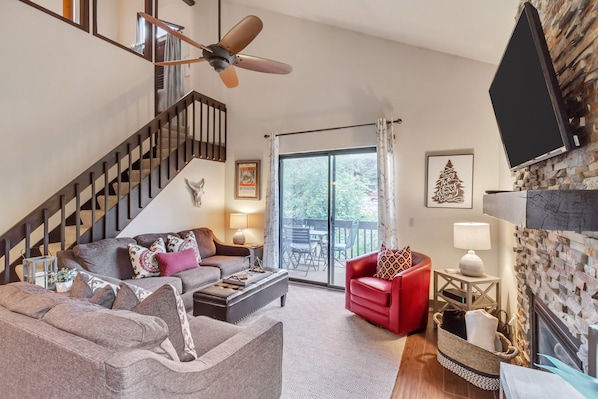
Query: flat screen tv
[526,97]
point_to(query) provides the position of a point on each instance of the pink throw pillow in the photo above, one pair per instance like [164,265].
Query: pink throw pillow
[174,262]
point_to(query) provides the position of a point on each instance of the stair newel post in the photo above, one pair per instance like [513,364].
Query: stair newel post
[212,157]
[62,222]
[106,194]
[27,253]
[93,204]
[187,155]
[130,196]
[78,213]
[200,141]
[118,191]
[6,261]
[223,155]
[46,230]
[159,149]
[140,146]
[220,134]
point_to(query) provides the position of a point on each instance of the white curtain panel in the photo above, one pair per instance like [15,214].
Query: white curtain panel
[174,84]
[272,221]
[387,220]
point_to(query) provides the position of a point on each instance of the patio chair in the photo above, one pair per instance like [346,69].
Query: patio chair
[300,246]
[342,248]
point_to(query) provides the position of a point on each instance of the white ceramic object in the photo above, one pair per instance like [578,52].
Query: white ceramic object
[471,265]
[64,287]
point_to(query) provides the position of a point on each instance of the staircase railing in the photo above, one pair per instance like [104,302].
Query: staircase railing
[109,194]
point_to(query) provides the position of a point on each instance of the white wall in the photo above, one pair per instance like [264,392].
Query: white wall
[173,209]
[89,95]
[342,78]
[67,98]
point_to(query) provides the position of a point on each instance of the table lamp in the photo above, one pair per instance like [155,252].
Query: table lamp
[471,236]
[238,221]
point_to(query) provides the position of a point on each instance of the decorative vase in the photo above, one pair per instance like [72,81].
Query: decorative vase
[64,286]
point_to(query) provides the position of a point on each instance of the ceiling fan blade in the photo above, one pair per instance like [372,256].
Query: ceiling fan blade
[173,32]
[179,62]
[229,77]
[241,34]
[262,64]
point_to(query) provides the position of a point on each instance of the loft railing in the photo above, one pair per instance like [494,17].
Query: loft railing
[109,194]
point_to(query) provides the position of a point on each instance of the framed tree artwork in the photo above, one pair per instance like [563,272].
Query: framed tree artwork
[247,180]
[449,181]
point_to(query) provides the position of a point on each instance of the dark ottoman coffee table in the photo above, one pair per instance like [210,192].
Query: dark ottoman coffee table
[232,303]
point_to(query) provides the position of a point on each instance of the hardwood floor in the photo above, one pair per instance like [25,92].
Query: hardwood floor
[422,377]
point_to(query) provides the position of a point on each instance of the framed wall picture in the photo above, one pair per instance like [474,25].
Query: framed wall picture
[449,181]
[247,180]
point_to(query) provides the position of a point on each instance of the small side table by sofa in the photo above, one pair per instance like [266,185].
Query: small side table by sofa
[478,292]
[256,252]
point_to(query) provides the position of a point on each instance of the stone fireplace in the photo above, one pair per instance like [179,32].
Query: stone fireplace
[550,336]
[557,267]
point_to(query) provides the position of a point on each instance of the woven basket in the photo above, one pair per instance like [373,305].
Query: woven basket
[476,365]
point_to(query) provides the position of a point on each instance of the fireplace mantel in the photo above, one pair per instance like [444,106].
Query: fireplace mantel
[569,210]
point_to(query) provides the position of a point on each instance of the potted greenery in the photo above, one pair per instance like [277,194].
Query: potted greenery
[63,279]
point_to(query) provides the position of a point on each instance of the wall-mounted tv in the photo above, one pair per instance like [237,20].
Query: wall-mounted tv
[526,97]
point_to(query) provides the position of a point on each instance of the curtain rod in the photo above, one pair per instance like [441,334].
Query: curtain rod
[398,121]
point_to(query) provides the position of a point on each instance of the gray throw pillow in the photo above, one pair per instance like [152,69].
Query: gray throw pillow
[168,305]
[125,298]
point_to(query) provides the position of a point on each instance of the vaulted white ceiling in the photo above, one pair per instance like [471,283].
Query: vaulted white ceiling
[476,29]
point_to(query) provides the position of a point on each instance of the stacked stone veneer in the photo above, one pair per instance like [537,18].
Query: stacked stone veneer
[560,267]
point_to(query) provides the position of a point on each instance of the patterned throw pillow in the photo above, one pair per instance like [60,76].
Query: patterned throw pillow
[93,290]
[144,260]
[177,244]
[95,283]
[392,261]
[167,304]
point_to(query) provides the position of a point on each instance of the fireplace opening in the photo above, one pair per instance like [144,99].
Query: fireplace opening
[551,337]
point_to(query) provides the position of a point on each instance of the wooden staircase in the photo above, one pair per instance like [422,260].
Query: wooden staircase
[106,197]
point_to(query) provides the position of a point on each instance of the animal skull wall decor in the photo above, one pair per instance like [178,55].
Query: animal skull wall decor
[196,190]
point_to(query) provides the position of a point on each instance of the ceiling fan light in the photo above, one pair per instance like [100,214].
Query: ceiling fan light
[219,64]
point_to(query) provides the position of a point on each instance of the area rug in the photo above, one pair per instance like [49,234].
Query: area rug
[328,351]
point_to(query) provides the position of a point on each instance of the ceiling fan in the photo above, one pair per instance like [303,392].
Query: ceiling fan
[224,55]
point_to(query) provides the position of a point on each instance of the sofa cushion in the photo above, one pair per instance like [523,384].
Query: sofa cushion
[152,284]
[391,262]
[95,283]
[103,296]
[144,259]
[205,241]
[175,262]
[109,257]
[116,329]
[126,299]
[373,289]
[146,240]
[227,264]
[178,244]
[167,304]
[29,299]
[192,279]
[219,332]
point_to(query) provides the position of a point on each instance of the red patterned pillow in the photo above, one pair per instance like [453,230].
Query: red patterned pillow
[144,260]
[392,261]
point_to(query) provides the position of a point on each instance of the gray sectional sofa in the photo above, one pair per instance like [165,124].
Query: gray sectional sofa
[109,259]
[106,353]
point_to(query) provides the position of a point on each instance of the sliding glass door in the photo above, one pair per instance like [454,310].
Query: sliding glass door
[329,213]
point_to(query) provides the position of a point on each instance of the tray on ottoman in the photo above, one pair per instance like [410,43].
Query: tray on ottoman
[232,302]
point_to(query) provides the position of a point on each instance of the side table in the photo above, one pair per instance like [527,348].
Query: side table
[256,252]
[478,292]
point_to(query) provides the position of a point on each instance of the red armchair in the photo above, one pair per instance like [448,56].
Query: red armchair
[400,305]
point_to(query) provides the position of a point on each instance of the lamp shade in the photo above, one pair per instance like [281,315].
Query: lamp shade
[238,221]
[474,236]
